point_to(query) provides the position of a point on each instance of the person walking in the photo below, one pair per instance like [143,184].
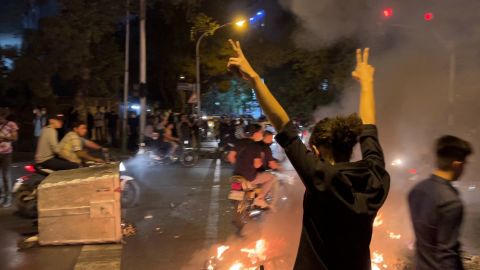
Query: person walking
[436,208]
[8,134]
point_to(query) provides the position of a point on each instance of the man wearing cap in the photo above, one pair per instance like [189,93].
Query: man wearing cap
[48,147]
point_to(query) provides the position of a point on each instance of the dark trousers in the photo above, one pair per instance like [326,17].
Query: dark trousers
[5,162]
[113,135]
[58,164]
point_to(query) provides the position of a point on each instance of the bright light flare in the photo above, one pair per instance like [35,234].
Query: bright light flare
[240,23]
[428,16]
[388,12]
[397,162]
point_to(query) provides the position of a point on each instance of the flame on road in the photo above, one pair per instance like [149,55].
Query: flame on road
[394,236]
[237,266]
[220,251]
[378,220]
[256,254]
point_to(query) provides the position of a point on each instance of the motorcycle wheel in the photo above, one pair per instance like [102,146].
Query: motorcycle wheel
[240,214]
[189,158]
[130,194]
[26,206]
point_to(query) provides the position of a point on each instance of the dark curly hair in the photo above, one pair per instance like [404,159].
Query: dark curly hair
[338,135]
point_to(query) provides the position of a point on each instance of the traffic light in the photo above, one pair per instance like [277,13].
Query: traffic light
[388,12]
[428,16]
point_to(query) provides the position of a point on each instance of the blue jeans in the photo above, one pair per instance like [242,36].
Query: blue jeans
[5,162]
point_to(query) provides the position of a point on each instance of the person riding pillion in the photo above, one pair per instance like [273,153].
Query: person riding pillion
[342,198]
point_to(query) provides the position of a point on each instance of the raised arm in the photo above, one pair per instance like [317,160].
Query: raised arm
[364,74]
[273,110]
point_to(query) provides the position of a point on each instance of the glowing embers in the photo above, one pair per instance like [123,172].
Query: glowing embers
[258,253]
[378,220]
[254,257]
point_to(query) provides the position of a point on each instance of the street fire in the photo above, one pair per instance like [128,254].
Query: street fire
[377,260]
[237,266]
[220,251]
[256,254]
[378,220]
[394,236]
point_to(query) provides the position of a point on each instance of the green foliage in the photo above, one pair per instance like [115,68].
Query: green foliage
[76,46]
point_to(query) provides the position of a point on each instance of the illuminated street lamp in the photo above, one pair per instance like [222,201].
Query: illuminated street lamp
[239,24]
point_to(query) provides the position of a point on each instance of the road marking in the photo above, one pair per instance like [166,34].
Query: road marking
[99,257]
[213,210]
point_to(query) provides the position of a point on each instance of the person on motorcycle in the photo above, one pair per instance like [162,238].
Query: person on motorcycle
[247,158]
[342,198]
[169,138]
[48,148]
[73,144]
[268,161]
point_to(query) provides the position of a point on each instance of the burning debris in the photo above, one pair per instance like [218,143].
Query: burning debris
[378,220]
[255,255]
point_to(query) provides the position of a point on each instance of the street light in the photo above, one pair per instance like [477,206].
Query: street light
[239,23]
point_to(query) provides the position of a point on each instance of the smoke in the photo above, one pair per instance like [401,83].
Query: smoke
[426,83]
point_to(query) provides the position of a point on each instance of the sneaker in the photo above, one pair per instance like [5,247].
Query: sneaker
[7,202]
[260,203]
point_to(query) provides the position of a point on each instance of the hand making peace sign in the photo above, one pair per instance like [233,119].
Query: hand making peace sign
[363,71]
[240,62]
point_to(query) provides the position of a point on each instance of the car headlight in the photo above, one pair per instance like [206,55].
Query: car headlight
[122,167]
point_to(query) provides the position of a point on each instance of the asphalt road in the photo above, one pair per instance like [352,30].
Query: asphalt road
[183,217]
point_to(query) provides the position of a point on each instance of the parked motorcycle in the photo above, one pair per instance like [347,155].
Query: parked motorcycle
[25,189]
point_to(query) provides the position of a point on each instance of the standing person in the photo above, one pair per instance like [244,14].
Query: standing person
[133,124]
[39,121]
[8,134]
[185,129]
[437,210]
[99,124]
[90,124]
[342,198]
[112,127]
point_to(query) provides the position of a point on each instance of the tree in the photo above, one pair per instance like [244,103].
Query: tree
[73,52]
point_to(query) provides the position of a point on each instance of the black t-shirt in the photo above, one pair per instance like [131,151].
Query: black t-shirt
[247,151]
[340,203]
[266,154]
[437,212]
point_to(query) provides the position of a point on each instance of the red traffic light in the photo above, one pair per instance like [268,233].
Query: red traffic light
[388,12]
[428,16]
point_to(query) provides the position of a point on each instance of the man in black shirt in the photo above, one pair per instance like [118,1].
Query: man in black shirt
[268,161]
[342,198]
[247,158]
[437,210]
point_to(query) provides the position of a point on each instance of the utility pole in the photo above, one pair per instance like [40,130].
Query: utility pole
[451,88]
[126,81]
[143,68]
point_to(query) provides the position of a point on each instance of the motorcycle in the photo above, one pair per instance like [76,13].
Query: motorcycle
[242,195]
[25,189]
[184,153]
